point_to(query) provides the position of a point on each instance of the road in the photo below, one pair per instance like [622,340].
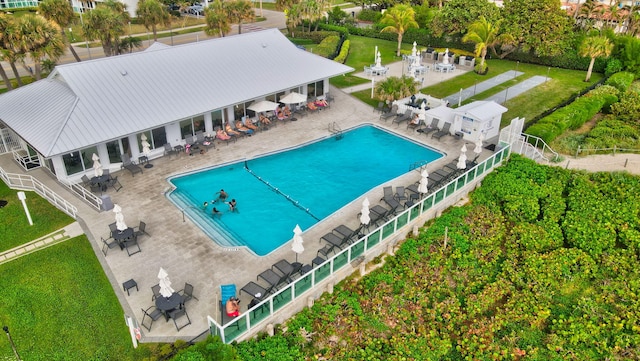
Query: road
[274,19]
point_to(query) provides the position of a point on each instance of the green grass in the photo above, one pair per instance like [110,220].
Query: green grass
[563,84]
[14,227]
[361,53]
[59,305]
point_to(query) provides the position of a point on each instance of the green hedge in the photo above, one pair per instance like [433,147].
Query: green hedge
[344,52]
[328,46]
[316,36]
[572,116]
[621,81]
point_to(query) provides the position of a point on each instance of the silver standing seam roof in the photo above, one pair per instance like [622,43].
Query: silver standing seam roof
[481,109]
[90,102]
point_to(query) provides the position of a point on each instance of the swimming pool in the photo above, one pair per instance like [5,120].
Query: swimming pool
[302,185]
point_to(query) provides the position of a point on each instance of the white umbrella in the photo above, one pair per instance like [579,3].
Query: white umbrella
[424,181]
[464,148]
[478,148]
[414,51]
[97,167]
[378,60]
[263,106]
[165,283]
[364,216]
[297,244]
[462,161]
[293,98]
[146,147]
[120,225]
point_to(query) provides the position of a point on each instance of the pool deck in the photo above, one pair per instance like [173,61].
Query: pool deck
[183,250]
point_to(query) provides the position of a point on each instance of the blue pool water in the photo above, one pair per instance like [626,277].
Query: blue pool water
[296,186]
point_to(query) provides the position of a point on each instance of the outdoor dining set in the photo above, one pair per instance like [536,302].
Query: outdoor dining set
[168,303]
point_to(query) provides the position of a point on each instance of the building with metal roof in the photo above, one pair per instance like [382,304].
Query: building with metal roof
[168,93]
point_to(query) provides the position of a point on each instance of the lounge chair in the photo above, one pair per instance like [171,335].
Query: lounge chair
[393,112]
[226,292]
[389,198]
[256,291]
[168,149]
[204,142]
[128,164]
[442,132]
[430,128]
[347,233]
[286,269]
[272,278]
[312,108]
[333,240]
[404,117]
[400,193]
[413,125]
[380,107]
[378,213]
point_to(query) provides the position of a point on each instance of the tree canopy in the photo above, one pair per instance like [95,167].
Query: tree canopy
[456,15]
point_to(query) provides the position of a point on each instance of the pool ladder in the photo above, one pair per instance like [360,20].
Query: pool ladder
[418,165]
[334,129]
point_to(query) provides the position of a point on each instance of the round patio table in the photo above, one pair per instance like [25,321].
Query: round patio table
[166,304]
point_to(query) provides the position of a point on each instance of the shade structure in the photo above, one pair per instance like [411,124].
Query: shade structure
[120,225]
[165,283]
[424,181]
[263,106]
[146,147]
[364,212]
[294,98]
[297,244]
[478,148]
[97,167]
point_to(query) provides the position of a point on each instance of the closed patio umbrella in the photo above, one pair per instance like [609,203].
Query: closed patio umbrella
[165,283]
[263,106]
[462,161]
[297,244]
[364,212]
[146,147]
[120,225]
[293,98]
[97,167]
[424,181]
[478,148]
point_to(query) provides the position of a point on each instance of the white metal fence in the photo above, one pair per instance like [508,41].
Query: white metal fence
[266,309]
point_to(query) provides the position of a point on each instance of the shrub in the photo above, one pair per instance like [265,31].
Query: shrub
[330,28]
[613,66]
[369,15]
[628,109]
[344,52]
[328,46]
[610,95]
[621,80]
[316,36]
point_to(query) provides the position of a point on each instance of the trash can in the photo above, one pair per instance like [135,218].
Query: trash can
[107,205]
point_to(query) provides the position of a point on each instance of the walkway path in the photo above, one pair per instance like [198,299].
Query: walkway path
[70,231]
[514,91]
[482,86]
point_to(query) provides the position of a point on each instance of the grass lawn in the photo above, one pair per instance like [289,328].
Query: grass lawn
[563,84]
[361,53]
[14,226]
[59,305]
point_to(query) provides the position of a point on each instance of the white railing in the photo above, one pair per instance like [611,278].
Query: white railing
[8,140]
[540,147]
[27,182]
[266,309]
[84,193]
[613,150]
[23,158]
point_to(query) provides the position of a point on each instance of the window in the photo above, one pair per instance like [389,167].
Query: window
[216,118]
[240,110]
[113,149]
[315,89]
[186,128]
[156,138]
[76,162]
[189,127]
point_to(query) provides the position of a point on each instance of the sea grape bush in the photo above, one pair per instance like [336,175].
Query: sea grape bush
[555,280]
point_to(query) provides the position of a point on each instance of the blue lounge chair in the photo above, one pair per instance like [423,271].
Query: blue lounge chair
[226,292]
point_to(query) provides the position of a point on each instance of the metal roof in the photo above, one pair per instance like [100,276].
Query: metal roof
[94,101]
[481,109]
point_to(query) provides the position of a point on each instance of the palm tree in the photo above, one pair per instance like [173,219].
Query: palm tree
[397,20]
[595,47]
[310,10]
[129,43]
[107,23]
[241,11]
[61,12]
[153,13]
[7,27]
[217,19]
[394,88]
[41,38]
[485,35]
[293,18]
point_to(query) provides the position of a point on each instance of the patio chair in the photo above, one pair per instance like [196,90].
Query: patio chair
[329,98]
[334,240]
[142,229]
[178,316]
[106,245]
[114,183]
[442,132]
[430,128]
[347,233]
[156,292]
[132,246]
[96,188]
[286,269]
[226,292]
[128,164]
[413,125]
[272,278]
[85,180]
[400,193]
[168,149]
[403,118]
[113,228]
[393,112]
[106,172]
[380,107]
[152,314]
[203,142]
[378,213]
[187,293]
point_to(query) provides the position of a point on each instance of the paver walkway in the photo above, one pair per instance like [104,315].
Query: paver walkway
[70,231]
[482,86]
[518,89]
